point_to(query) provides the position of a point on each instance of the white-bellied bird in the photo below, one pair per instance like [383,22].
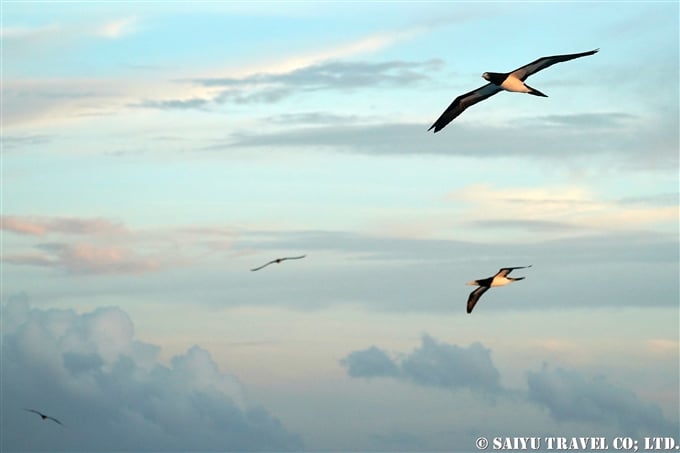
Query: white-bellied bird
[499,81]
[500,279]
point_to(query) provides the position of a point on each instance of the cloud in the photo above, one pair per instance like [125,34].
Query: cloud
[487,138]
[569,396]
[31,140]
[570,208]
[434,364]
[82,245]
[42,226]
[272,87]
[173,104]
[529,225]
[112,392]
[584,120]
[371,362]
[117,28]
[85,258]
[57,34]
[335,75]
[313,118]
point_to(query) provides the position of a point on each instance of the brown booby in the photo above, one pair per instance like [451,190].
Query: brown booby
[508,81]
[500,279]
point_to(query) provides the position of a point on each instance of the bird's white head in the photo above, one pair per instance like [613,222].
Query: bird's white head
[486,76]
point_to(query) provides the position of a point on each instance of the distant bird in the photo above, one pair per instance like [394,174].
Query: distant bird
[508,81]
[500,279]
[278,260]
[43,416]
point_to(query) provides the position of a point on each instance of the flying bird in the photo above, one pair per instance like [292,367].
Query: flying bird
[278,260]
[508,81]
[500,279]
[43,416]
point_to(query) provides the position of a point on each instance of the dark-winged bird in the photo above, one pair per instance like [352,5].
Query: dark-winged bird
[500,279]
[508,81]
[44,417]
[278,260]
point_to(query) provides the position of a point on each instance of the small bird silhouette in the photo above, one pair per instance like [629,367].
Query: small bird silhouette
[278,260]
[43,416]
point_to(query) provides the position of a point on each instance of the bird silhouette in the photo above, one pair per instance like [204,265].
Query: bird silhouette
[278,260]
[500,279]
[44,416]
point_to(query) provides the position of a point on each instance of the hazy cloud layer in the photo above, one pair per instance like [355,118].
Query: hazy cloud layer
[603,133]
[41,226]
[567,395]
[570,396]
[274,87]
[112,393]
[336,75]
[82,245]
[85,258]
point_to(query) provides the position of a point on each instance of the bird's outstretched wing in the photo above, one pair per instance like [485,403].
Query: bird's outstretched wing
[278,260]
[506,270]
[264,265]
[545,62]
[462,102]
[474,297]
[44,416]
[54,419]
[293,257]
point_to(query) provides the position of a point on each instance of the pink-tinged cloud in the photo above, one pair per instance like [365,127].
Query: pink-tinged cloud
[41,226]
[22,226]
[83,258]
[91,259]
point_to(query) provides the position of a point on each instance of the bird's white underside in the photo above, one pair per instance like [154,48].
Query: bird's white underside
[500,281]
[514,84]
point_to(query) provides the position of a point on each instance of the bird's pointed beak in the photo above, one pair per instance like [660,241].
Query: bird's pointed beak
[472,283]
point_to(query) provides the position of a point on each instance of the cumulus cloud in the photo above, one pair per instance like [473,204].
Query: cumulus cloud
[371,362]
[567,395]
[113,394]
[433,364]
[570,396]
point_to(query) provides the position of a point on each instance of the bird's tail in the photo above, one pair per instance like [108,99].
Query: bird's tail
[535,92]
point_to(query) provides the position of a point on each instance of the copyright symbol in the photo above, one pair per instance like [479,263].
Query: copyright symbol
[482,443]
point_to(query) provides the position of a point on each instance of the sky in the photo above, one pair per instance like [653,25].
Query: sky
[154,153]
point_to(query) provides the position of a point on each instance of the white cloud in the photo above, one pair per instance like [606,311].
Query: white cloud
[117,28]
[572,206]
